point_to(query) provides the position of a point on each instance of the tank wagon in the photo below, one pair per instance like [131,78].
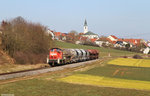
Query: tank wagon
[65,56]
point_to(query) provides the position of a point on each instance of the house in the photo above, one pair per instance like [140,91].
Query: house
[146,50]
[148,44]
[81,40]
[112,38]
[51,33]
[64,36]
[135,42]
[57,35]
[93,40]
[120,44]
[99,43]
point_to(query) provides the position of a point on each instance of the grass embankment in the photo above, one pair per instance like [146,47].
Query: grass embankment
[6,68]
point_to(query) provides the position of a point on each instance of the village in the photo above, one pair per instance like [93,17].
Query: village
[89,38]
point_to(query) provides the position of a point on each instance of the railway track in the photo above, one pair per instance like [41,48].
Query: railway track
[32,72]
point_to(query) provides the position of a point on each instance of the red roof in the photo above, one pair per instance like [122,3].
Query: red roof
[114,36]
[57,33]
[83,38]
[63,34]
[81,33]
[93,40]
[133,41]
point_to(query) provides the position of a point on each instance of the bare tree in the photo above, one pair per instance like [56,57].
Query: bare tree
[21,39]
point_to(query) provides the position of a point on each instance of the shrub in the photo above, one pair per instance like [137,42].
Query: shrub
[137,57]
[125,56]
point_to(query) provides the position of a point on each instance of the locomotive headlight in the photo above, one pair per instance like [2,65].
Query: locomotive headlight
[58,61]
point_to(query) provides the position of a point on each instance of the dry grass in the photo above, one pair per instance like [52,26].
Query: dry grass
[5,68]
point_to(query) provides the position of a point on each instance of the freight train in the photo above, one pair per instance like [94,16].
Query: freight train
[65,56]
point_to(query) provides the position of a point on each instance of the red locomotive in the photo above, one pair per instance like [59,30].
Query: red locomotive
[64,56]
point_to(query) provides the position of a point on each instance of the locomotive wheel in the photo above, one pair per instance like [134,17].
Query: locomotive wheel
[52,64]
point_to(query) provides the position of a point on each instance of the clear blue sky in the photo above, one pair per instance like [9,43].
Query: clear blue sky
[123,18]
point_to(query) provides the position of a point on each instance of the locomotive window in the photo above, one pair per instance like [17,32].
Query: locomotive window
[52,50]
[58,50]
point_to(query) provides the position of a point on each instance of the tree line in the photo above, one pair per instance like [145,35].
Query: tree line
[25,41]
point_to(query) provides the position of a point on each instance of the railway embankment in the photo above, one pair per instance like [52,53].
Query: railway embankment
[42,70]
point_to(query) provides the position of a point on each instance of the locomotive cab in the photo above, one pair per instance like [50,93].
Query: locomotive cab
[55,56]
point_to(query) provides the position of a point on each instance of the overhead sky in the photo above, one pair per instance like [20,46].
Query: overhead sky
[122,18]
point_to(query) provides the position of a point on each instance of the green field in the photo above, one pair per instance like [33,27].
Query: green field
[114,71]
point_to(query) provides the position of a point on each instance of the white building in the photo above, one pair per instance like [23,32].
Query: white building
[51,33]
[146,50]
[112,38]
[90,35]
[87,33]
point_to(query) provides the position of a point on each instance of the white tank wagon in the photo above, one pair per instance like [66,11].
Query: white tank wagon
[83,55]
[74,56]
[79,54]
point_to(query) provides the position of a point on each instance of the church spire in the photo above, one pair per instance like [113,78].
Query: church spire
[85,23]
[85,27]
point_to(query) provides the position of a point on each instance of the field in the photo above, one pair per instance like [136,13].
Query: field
[50,84]
[106,81]
[96,79]
[131,62]
[121,72]
[113,76]
[41,87]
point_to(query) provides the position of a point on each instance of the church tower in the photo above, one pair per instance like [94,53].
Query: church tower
[85,27]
